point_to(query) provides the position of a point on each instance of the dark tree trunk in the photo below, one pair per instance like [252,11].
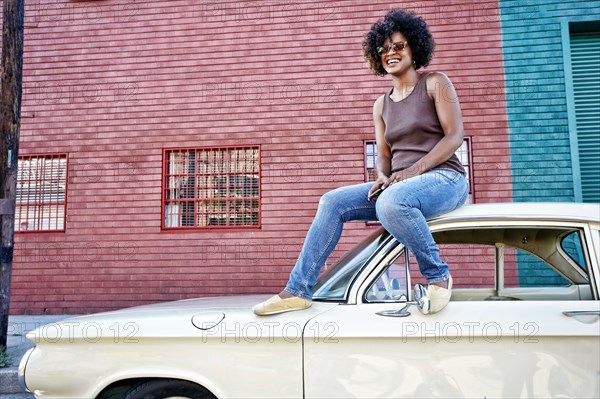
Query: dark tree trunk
[11,81]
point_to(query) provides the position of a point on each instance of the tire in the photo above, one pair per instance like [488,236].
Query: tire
[114,393]
[167,388]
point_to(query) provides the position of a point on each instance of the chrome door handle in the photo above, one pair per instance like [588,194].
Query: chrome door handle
[573,313]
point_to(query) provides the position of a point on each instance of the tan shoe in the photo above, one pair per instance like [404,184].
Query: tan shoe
[277,304]
[439,296]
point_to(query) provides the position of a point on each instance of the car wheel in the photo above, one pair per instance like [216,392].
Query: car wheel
[164,389]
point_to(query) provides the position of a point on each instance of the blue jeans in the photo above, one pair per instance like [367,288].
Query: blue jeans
[402,209]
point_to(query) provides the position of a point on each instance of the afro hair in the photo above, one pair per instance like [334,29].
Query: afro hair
[414,29]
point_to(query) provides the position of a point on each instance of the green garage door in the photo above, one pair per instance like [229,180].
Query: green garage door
[585,58]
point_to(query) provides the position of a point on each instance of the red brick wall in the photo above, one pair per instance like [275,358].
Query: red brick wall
[112,83]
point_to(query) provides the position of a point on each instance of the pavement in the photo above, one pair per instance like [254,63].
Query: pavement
[17,344]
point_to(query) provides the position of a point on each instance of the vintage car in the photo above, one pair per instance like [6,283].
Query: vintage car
[524,321]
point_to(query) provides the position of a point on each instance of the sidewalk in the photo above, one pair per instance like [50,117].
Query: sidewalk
[17,345]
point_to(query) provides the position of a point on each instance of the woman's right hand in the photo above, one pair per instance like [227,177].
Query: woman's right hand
[377,185]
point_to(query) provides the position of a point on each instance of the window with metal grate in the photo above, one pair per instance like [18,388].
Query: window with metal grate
[216,187]
[463,154]
[41,193]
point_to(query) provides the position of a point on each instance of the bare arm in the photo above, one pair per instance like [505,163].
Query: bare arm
[383,164]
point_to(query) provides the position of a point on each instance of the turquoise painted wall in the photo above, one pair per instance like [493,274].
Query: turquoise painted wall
[536,95]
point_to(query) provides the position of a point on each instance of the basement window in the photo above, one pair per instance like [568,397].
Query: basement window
[41,193]
[207,188]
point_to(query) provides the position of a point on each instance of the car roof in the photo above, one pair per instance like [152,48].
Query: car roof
[563,211]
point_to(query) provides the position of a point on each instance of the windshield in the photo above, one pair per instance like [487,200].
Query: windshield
[334,283]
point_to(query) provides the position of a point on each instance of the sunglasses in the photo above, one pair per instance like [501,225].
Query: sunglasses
[397,47]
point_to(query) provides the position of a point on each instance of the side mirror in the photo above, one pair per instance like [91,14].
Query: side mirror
[421,299]
[421,296]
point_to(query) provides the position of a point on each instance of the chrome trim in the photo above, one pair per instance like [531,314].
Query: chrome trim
[574,313]
[396,313]
[22,367]
[408,275]
[515,218]
[387,254]
[387,262]
[542,211]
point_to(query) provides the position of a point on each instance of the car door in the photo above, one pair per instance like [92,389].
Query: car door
[525,323]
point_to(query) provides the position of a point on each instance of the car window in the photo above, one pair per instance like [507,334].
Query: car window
[523,269]
[334,283]
[391,284]
[571,244]
[535,263]
[471,265]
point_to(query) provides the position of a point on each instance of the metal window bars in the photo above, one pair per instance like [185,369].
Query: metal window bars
[215,187]
[370,160]
[463,153]
[41,193]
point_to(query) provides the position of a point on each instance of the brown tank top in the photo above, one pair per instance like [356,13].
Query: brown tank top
[412,128]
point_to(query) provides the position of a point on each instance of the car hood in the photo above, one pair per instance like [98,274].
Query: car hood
[227,316]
